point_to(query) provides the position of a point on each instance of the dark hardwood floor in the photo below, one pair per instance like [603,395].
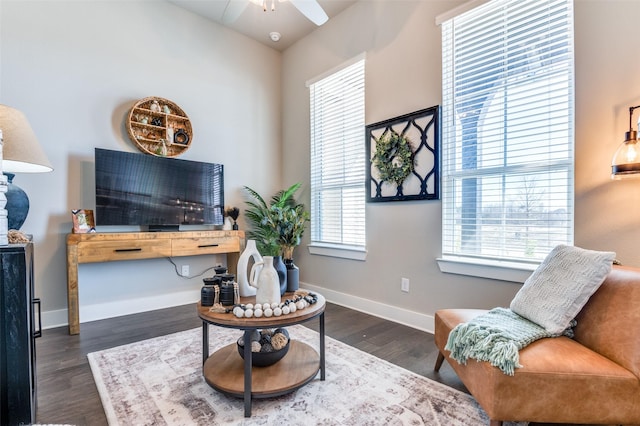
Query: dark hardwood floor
[67,393]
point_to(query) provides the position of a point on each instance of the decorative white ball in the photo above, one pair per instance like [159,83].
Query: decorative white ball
[249,306]
[238,312]
[268,312]
[292,307]
[277,312]
[257,313]
[265,306]
[248,313]
[274,305]
[285,310]
[300,304]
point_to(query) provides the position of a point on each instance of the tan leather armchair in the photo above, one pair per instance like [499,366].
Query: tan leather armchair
[591,379]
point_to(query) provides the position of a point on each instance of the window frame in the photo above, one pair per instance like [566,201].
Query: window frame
[495,267]
[343,249]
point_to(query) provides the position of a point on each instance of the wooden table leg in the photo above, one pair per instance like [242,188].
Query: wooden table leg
[72,289]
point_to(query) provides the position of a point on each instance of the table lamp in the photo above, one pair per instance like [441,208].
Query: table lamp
[21,153]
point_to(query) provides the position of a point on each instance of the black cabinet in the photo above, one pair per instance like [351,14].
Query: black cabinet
[19,326]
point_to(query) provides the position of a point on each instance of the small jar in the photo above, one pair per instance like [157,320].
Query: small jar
[215,280]
[226,294]
[207,295]
[227,278]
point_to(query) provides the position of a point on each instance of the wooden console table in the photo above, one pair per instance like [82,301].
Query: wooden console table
[109,247]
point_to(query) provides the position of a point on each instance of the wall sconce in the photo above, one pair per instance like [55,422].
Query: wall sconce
[626,160]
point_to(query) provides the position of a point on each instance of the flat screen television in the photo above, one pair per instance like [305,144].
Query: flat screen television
[157,193]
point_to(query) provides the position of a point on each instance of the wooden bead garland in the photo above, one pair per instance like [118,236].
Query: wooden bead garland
[289,306]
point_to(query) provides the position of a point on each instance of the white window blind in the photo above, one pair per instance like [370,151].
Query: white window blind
[507,170]
[337,158]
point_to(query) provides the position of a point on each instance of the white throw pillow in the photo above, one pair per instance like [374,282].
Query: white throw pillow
[563,283]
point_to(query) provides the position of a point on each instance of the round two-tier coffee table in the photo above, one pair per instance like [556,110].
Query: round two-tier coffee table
[227,372]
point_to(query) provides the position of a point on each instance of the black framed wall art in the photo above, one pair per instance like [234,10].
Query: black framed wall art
[403,161]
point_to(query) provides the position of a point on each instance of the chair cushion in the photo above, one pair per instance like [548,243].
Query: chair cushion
[558,289]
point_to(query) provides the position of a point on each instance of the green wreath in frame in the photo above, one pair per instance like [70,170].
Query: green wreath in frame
[393,158]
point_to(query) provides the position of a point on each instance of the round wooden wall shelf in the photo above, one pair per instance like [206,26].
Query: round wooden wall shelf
[159,127]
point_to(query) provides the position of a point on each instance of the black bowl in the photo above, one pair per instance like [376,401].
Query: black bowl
[265,359]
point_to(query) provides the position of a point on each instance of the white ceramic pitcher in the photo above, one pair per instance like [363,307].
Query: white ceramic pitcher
[250,252]
[266,282]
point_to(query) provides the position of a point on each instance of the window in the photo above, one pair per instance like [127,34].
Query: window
[507,132]
[338,162]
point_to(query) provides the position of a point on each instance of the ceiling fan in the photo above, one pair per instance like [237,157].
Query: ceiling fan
[309,8]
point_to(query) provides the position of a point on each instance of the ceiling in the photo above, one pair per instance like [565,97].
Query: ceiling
[257,24]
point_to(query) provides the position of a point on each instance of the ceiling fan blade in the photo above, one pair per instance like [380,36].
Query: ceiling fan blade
[233,10]
[312,10]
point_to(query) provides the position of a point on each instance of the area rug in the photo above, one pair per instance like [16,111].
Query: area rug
[159,382]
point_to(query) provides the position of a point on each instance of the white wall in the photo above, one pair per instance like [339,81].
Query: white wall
[75,68]
[403,74]
[607,84]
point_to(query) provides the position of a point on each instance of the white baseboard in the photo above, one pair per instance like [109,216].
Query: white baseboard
[51,319]
[392,313]
[134,306]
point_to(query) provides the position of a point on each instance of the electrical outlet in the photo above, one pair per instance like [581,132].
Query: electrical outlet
[185,270]
[404,285]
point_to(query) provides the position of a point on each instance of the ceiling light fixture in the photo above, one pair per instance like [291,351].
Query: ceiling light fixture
[626,160]
[309,8]
[263,4]
[273,5]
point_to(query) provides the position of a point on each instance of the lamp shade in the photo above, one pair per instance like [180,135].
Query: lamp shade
[21,151]
[626,160]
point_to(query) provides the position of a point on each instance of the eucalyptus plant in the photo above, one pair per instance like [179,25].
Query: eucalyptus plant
[277,226]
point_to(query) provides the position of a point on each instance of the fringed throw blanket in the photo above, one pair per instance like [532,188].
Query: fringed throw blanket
[496,337]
